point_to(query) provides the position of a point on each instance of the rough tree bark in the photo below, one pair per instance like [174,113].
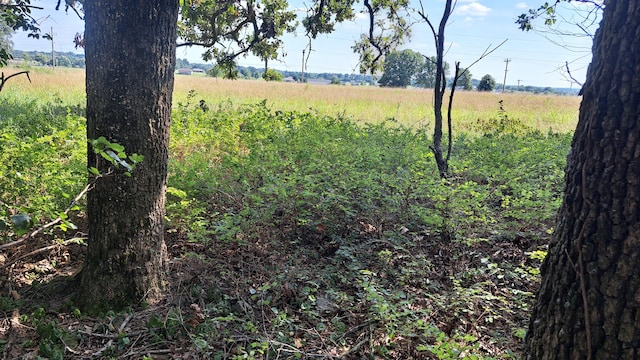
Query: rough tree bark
[588,306]
[130,61]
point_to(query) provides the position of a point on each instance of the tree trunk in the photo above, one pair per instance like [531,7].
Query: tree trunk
[130,61]
[588,306]
[438,92]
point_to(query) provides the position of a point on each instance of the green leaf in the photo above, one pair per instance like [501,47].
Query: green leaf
[107,157]
[94,171]
[116,147]
[136,158]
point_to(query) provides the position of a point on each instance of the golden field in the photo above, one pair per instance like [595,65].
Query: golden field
[411,107]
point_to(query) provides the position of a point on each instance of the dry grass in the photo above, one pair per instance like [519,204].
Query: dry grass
[364,104]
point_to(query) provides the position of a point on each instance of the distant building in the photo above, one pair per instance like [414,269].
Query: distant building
[198,70]
[184,71]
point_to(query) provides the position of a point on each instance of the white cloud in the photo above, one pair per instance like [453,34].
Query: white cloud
[473,9]
[522,5]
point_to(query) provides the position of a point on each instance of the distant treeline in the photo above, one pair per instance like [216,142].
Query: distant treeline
[70,59]
[250,72]
[64,59]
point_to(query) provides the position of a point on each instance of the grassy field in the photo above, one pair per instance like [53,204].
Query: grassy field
[292,233]
[410,107]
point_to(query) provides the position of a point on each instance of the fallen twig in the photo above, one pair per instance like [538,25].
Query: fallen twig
[37,251]
[51,223]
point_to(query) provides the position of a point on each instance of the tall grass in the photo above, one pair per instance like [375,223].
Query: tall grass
[409,107]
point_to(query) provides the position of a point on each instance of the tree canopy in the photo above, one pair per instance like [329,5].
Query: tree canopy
[407,67]
[400,68]
[228,29]
[465,79]
[426,75]
[549,14]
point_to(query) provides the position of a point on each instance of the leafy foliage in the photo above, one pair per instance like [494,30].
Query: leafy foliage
[272,75]
[400,68]
[41,166]
[548,12]
[465,79]
[229,28]
[363,202]
[281,220]
[426,75]
[407,67]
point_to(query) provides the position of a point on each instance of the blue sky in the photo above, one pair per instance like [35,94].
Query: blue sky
[536,58]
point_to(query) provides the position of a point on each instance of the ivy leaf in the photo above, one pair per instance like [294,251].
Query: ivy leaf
[136,158]
[116,147]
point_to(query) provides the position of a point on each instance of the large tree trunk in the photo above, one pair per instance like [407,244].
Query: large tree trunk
[588,306]
[130,60]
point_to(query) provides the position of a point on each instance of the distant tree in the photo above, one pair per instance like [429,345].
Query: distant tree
[214,72]
[182,63]
[77,62]
[41,58]
[400,68]
[227,69]
[465,79]
[426,74]
[63,60]
[246,72]
[487,83]
[335,81]
[272,75]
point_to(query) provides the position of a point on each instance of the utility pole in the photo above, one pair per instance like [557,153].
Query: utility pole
[506,68]
[53,52]
[519,82]
[302,77]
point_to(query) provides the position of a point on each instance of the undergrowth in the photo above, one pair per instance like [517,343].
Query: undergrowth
[298,235]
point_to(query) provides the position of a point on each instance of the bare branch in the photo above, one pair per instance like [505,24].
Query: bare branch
[372,39]
[3,80]
[486,53]
[450,108]
[571,76]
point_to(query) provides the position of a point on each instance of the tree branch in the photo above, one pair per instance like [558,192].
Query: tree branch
[566,64]
[3,80]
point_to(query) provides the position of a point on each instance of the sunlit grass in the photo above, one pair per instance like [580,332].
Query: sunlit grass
[411,107]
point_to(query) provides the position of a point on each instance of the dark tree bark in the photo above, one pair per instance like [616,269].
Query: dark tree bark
[130,60]
[588,306]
